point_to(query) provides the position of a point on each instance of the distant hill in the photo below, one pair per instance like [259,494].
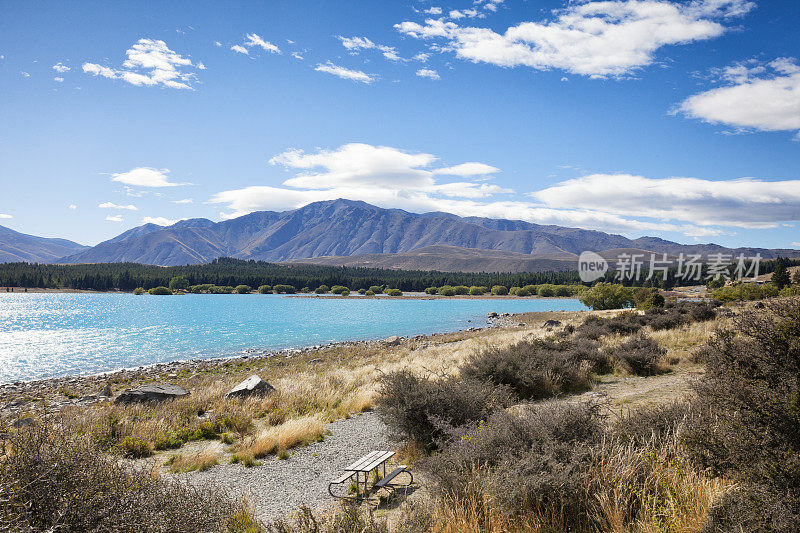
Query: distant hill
[16,247]
[344,228]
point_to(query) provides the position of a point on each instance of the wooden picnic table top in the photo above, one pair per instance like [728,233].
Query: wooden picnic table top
[370,461]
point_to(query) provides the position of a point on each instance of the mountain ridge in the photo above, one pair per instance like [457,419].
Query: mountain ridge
[16,247]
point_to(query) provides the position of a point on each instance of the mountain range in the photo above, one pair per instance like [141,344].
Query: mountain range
[345,232]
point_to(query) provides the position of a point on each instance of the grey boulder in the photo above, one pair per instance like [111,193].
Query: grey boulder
[392,341]
[151,393]
[551,324]
[253,385]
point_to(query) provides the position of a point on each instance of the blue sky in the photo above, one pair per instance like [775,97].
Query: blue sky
[674,119]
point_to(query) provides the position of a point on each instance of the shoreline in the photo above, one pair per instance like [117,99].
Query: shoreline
[57,393]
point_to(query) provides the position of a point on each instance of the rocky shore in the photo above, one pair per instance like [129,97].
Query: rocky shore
[54,394]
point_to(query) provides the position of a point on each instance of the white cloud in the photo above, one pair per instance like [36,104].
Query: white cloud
[255,40]
[464,13]
[428,73]
[345,73]
[150,62]
[433,10]
[240,49]
[184,201]
[160,221]
[598,39]
[145,177]
[796,244]
[468,169]
[73,207]
[200,65]
[5,215]
[356,44]
[24,74]
[421,57]
[58,79]
[111,205]
[217,43]
[61,68]
[297,55]
[756,98]
[114,218]
[744,203]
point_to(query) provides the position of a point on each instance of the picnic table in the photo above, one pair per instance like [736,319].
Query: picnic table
[373,461]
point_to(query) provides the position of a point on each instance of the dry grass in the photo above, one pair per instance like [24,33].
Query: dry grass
[278,439]
[199,461]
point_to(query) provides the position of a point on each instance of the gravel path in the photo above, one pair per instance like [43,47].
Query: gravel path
[278,487]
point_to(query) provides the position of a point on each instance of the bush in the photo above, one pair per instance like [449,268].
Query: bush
[647,298]
[419,408]
[447,290]
[179,283]
[461,289]
[750,400]
[752,508]
[264,289]
[478,291]
[499,290]
[377,289]
[56,481]
[650,425]
[322,289]
[243,289]
[218,289]
[338,289]
[430,290]
[394,292]
[200,289]
[745,291]
[369,293]
[522,291]
[284,289]
[532,370]
[642,354]
[546,290]
[160,291]
[345,293]
[607,296]
[139,291]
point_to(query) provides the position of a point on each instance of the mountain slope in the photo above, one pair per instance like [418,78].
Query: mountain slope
[344,228]
[15,247]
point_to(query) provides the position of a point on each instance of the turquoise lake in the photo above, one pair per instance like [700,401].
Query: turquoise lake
[48,335]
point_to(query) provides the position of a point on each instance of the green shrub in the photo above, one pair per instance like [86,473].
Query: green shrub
[546,290]
[221,289]
[322,289]
[607,296]
[522,291]
[431,290]
[243,289]
[338,289]
[394,292]
[369,293]
[417,408]
[461,289]
[745,291]
[794,290]
[179,283]
[377,289]
[362,291]
[446,290]
[139,291]
[642,354]
[284,289]
[160,291]
[753,508]
[499,290]
[265,289]
[478,291]
[345,293]
[135,447]
[201,289]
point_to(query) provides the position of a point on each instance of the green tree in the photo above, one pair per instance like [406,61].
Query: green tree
[264,289]
[607,296]
[322,289]
[796,277]
[243,289]
[179,283]
[499,290]
[780,276]
[139,290]
[160,291]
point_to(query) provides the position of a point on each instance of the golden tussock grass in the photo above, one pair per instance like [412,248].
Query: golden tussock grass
[278,439]
[198,461]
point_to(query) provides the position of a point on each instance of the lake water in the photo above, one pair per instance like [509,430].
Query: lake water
[47,335]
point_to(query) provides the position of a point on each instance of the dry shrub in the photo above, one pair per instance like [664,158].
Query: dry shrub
[417,408]
[642,354]
[53,480]
[536,369]
[752,508]
[294,432]
[346,519]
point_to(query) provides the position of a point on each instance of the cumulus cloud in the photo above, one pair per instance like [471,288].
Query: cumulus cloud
[61,68]
[756,96]
[145,177]
[112,205]
[428,73]
[744,203]
[149,62]
[160,221]
[598,39]
[344,73]
[114,218]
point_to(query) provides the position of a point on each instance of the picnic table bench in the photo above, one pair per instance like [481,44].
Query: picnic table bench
[365,465]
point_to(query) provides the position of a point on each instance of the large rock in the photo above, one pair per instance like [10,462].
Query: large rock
[551,324]
[253,385]
[151,393]
[394,340]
